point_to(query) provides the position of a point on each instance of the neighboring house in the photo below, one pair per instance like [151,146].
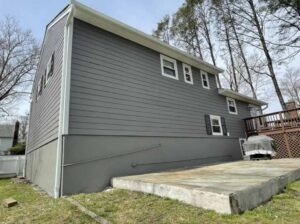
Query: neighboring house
[6,137]
[109,100]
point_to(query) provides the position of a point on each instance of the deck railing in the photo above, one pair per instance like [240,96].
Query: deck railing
[282,120]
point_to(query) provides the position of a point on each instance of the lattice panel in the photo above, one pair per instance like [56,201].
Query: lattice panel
[294,141]
[281,146]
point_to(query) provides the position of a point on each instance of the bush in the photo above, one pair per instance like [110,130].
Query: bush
[18,149]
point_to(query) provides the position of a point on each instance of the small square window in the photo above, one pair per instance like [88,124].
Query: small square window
[187,73]
[231,106]
[168,67]
[205,81]
[216,125]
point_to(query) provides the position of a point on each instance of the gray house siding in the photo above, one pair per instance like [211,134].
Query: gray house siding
[44,117]
[117,89]
[126,118]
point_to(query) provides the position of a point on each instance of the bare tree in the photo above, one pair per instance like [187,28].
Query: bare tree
[18,60]
[252,25]
[185,30]
[224,31]
[286,15]
[290,84]
[24,121]
[162,31]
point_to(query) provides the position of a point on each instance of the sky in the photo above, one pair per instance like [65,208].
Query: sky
[141,14]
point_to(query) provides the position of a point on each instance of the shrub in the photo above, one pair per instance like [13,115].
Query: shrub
[18,149]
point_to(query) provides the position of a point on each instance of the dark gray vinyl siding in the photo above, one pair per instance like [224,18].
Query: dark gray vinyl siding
[117,89]
[44,117]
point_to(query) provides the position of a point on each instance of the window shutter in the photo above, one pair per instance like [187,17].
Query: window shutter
[224,126]
[208,125]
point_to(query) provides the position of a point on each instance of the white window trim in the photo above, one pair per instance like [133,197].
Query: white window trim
[206,75]
[184,66]
[220,122]
[163,57]
[230,99]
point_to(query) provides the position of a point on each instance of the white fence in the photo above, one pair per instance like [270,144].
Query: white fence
[12,165]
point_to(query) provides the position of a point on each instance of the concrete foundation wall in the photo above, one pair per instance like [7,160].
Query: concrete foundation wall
[40,166]
[91,161]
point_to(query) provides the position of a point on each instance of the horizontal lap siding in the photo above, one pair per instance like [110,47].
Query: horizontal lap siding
[44,117]
[117,89]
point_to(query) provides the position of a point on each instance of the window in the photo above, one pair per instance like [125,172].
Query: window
[231,106]
[187,73]
[49,68]
[168,67]
[205,81]
[39,88]
[216,125]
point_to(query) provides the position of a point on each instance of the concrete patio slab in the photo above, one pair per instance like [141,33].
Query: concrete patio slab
[227,188]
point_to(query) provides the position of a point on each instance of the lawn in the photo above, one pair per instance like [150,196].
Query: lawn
[36,207]
[120,206]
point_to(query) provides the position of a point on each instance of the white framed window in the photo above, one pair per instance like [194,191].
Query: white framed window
[216,125]
[205,81]
[232,109]
[168,67]
[49,68]
[187,73]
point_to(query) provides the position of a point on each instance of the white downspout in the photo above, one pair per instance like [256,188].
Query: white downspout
[64,99]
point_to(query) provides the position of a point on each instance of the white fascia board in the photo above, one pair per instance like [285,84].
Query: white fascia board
[241,97]
[63,128]
[109,24]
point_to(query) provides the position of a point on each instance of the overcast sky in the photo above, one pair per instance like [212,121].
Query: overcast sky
[141,14]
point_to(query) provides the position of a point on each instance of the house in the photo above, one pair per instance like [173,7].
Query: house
[8,137]
[109,100]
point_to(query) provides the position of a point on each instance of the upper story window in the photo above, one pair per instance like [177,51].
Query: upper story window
[187,73]
[168,67]
[205,80]
[39,88]
[49,68]
[231,106]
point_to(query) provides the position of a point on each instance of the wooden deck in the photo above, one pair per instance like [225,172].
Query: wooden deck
[283,126]
[278,121]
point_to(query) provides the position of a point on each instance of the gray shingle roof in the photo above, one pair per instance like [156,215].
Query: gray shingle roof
[7,131]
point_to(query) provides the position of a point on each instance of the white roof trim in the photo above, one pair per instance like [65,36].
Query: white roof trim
[107,23]
[241,97]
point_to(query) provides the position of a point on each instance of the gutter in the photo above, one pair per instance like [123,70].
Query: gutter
[64,99]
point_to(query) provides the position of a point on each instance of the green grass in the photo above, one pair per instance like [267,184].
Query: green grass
[36,207]
[120,206]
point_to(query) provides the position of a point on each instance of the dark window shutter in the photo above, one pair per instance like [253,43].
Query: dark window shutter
[208,125]
[224,126]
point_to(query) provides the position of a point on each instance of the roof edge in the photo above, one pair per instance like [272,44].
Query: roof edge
[107,23]
[241,97]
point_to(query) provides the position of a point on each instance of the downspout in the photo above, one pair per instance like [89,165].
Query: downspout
[64,99]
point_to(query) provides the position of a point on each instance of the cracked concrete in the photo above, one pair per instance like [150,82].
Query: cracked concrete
[227,188]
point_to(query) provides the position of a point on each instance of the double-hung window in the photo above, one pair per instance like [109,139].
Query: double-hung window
[168,67]
[187,73]
[216,125]
[205,81]
[231,106]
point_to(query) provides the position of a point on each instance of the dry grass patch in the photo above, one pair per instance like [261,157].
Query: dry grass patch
[36,207]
